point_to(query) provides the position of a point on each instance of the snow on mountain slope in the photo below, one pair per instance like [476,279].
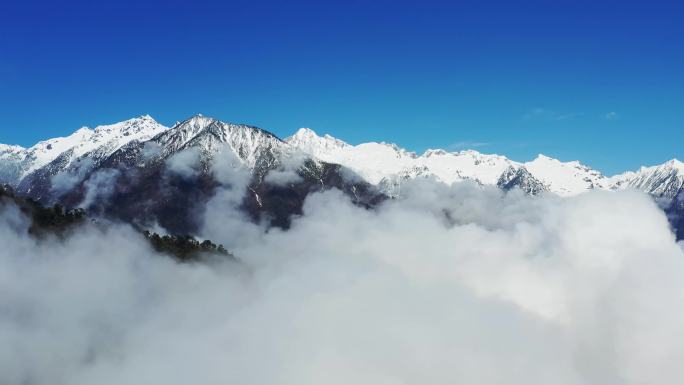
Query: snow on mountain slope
[10,163]
[250,144]
[46,151]
[469,164]
[308,141]
[664,180]
[565,178]
[104,140]
[372,161]
[95,143]
[388,165]
[376,162]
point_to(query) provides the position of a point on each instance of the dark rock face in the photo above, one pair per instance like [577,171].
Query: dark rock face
[675,214]
[150,195]
[522,179]
[278,204]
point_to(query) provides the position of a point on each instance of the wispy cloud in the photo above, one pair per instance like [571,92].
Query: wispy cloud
[544,114]
[611,115]
[466,144]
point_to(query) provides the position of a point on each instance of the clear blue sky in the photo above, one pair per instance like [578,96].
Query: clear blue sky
[599,81]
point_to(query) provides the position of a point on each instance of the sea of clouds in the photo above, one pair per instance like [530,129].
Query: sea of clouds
[460,284]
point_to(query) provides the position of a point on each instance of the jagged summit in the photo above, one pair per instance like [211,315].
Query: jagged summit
[209,136]
[542,157]
[196,120]
[306,139]
[663,180]
[199,122]
[675,163]
[304,134]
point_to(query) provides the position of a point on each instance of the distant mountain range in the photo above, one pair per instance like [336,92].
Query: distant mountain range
[385,165]
[142,172]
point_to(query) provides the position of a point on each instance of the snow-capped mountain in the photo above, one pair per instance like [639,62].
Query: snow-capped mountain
[565,178]
[663,181]
[136,153]
[387,165]
[94,144]
[252,145]
[381,164]
[142,172]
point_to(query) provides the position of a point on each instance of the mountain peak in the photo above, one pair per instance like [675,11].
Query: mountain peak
[309,141]
[305,133]
[146,117]
[675,164]
[199,119]
[83,130]
[544,158]
[672,165]
[663,180]
[191,126]
[141,124]
[565,178]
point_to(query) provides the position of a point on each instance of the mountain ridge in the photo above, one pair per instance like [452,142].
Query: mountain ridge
[151,174]
[376,162]
[563,178]
[142,172]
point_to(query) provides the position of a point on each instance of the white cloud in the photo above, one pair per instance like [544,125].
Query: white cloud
[150,150]
[611,115]
[100,185]
[185,163]
[457,284]
[467,145]
[66,180]
[222,217]
[544,114]
[282,177]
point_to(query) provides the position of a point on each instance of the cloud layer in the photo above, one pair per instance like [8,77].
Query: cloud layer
[448,285]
